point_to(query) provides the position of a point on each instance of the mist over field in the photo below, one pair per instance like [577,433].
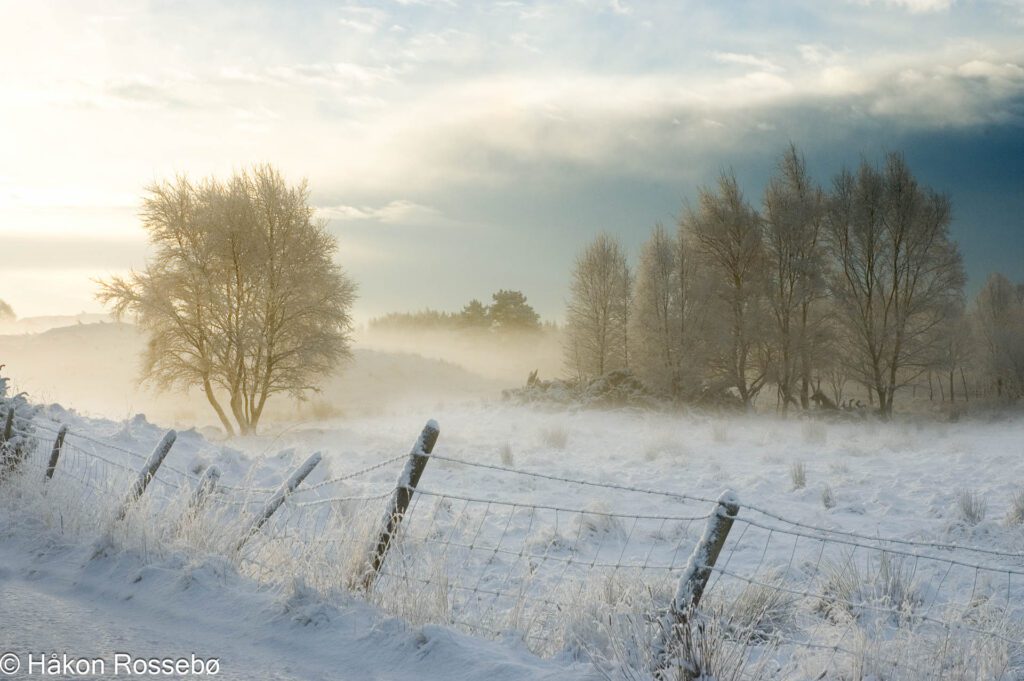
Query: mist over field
[601,340]
[94,368]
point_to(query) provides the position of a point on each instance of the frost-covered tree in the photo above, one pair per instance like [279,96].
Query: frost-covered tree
[795,263]
[598,309]
[655,320]
[954,348]
[897,273]
[242,297]
[727,238]
[998,317]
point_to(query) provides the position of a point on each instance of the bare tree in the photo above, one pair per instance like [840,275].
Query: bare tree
[727,236]
[598,308]
[793,215]
[897,273]
[242,296]
[998,316]
[954,348]
[656,357]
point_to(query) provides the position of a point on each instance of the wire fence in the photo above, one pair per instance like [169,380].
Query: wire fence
[777,598]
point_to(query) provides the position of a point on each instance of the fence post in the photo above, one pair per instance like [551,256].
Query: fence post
[407,482]
[8,432]
[691,586]
[148,471]
[206,485]
[9,424]
[58,444]
[279,496]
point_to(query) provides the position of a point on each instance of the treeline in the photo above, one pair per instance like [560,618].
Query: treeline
[807,291]
[509,311]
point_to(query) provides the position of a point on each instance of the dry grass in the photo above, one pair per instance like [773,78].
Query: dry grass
[814,433]
[972,505]
[882,588]
[1016,513]
[828,497]
[720,431]
[798,475]
[507,459]
[760,610]
[556,437]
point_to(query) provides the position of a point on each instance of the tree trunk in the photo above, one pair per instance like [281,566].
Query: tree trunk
[212,399]
[244,427]
[805,361]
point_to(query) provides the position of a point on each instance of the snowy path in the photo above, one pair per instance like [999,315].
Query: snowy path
[55,599]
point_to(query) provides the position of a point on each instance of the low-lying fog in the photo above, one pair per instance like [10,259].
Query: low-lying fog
[92,365]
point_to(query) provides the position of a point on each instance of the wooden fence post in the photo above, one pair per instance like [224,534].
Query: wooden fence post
[58,444]
[206,485]
[407,482]
[691,587]
[10,456]
[279,496]
[148,471]
[9,424]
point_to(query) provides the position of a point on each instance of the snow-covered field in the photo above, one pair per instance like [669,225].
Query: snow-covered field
[500,544]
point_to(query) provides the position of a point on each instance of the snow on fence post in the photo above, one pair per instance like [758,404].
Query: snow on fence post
[279,497]
[147,473]
[58,444]
[692,583]
[9,424]
[8,432]
[404,489]
[10,457]
[206,485]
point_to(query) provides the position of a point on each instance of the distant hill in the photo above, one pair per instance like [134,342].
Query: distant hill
[45,323]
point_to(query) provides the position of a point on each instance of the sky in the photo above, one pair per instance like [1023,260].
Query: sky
[457,148]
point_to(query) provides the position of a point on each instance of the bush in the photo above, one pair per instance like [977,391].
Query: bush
[615,389]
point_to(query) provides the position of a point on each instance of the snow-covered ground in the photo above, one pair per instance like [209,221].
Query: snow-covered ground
[535,561]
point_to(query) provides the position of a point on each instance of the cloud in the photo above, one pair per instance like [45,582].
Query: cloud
[346,75]
[746,60]
[399,211]
[366,20]
[913,6]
